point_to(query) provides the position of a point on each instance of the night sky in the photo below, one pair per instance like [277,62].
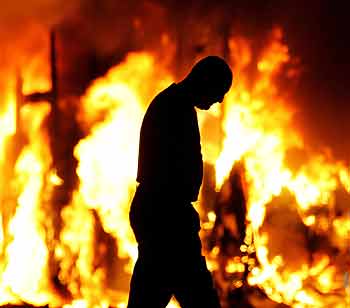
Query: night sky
[321,39]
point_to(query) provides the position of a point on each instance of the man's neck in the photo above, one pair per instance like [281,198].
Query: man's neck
[188,92]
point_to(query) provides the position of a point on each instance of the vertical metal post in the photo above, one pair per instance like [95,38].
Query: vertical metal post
[53,69]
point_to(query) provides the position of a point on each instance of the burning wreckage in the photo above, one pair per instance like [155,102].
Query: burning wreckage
[275,214]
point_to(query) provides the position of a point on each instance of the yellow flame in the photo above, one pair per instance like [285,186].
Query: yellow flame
[7,124]
[26,275]
[108,156]
[258,131]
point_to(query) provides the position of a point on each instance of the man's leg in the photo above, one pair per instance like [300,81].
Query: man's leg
[148,286]
[192,281]
[194,286]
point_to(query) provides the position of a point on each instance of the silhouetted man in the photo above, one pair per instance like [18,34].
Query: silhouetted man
[170,171]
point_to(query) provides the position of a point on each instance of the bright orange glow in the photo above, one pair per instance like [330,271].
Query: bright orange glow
[28,247]
[92,255]
[108,156]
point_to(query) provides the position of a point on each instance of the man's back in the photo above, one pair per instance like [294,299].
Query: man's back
[170,159]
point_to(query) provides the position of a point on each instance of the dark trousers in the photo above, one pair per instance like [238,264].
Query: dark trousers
[170,260]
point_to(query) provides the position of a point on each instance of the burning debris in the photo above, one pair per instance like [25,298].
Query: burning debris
[276,216]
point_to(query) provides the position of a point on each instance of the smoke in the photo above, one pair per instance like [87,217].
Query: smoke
[19,13]
[21,21]
[24,28]
[106,26]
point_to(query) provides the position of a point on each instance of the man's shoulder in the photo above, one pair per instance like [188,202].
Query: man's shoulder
[168,94]
[164,101]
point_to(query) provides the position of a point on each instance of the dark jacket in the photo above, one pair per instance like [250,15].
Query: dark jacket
[170,159]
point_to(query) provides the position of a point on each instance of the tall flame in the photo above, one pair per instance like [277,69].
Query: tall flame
[108,156]
[95,241]
[257,125]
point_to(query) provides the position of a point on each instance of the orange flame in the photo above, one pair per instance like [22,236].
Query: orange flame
[257,126]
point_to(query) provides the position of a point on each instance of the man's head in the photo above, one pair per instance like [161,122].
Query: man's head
[209,80]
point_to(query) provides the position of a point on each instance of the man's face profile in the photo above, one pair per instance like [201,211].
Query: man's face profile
[210,98]
[205,105]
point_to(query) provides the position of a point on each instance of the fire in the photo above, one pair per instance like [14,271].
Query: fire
[8,126]
[108,156]
[95,247]
[252,134]
[20,280]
